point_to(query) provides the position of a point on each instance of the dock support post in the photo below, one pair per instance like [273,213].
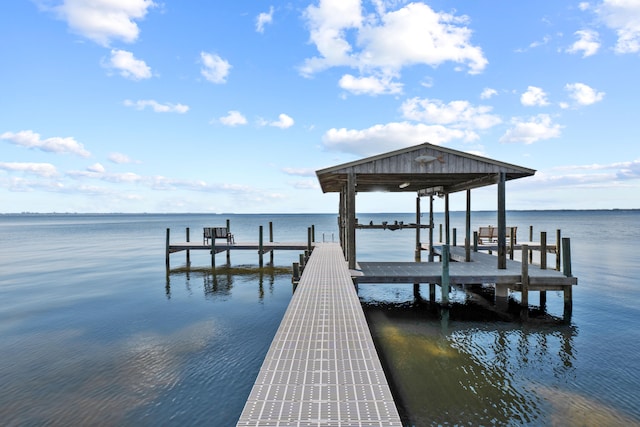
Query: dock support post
[475,241]
[271,241]
[558,251]
[351,220]
[228,250]
[260,246]
[455,237]
[167,251]
[444,286]
[512,242]
[502,222]
[188,251]
[296,275]
[467,231]
[543,250]
[440,236]
[309,247]
[432,292]
[447,222]
[416,292]
[566,266]
[531,240]
[524,312]
[430,229]
[213,252]
[418,253]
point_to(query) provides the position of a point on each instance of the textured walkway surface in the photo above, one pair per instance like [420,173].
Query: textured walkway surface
[322,368]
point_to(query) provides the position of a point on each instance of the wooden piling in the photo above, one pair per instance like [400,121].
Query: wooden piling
[455,237]
[167,251]
[558,251]
[271,241]
[531,240]
[525,282]
[475,241]
[188,251]
[213,252]
[543,250]
[444,286]
[512,242]
[309,240]
[260,246]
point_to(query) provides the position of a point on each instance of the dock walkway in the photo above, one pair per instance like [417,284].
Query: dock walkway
[322,368]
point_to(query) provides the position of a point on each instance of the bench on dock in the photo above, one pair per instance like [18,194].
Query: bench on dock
[490,234]
[209,233]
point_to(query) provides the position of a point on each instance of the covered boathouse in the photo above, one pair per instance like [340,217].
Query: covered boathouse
[427,170]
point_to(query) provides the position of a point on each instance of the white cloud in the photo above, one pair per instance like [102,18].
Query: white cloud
[96,168]
[390,136]
[104,20]
[370,85]
[46,170]
[488,93]
[387,40]
[30,139]
[587,43]
[623,16]
[534,129]
[156,106]
[120,158]
[534,96]
[458,114]
[283,122]
[307,184]
[233,118]
[583,94]
[129,67]
[263,19]
[299,171]
[214,68]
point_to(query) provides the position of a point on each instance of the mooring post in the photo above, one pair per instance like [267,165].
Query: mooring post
[566,263]
[432,292]
[512,241]
[260,246]
[475,241]
[188,254]
[228,250]
[543,250]
[558,244]
[313,233]
[213,251]
[309,239]
[455,236]
[440,238]
[301,263]
[167,251]
[271,241]
[296,272]
[531,240]
[445,274]
[525,282]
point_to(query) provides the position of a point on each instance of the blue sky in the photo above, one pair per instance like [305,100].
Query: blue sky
[185,106]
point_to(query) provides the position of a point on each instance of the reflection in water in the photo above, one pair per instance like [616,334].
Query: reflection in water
[473,373]
[218,282]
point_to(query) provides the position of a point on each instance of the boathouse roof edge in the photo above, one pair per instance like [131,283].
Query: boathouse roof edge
[423,167]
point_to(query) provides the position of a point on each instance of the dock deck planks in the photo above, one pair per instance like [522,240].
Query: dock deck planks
[322,368]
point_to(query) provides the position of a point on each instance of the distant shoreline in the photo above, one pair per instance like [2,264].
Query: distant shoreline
[302,213]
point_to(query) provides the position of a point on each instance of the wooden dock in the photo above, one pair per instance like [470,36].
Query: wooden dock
[322,368]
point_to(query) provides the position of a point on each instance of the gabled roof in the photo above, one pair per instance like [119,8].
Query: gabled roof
[420,167]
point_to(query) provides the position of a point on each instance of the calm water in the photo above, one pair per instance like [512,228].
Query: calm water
[93,331]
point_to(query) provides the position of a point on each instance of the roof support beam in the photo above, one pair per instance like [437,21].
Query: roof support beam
[351,220]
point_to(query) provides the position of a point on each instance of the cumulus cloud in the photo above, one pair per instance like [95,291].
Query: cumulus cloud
[283,122]
[583,94]
[588,43]
[96,168]
[263,19]
[534,129]
[622,16]
[156,106]
[458,114]
[488,93]
[534,96]
[30,139]
[46,170]
[127,65]
[370,85]
[214,68]
[105,20]
[388,137]
[233,118]
[387,40]
[119,158]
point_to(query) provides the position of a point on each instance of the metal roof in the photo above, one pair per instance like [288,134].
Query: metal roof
[426,167]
